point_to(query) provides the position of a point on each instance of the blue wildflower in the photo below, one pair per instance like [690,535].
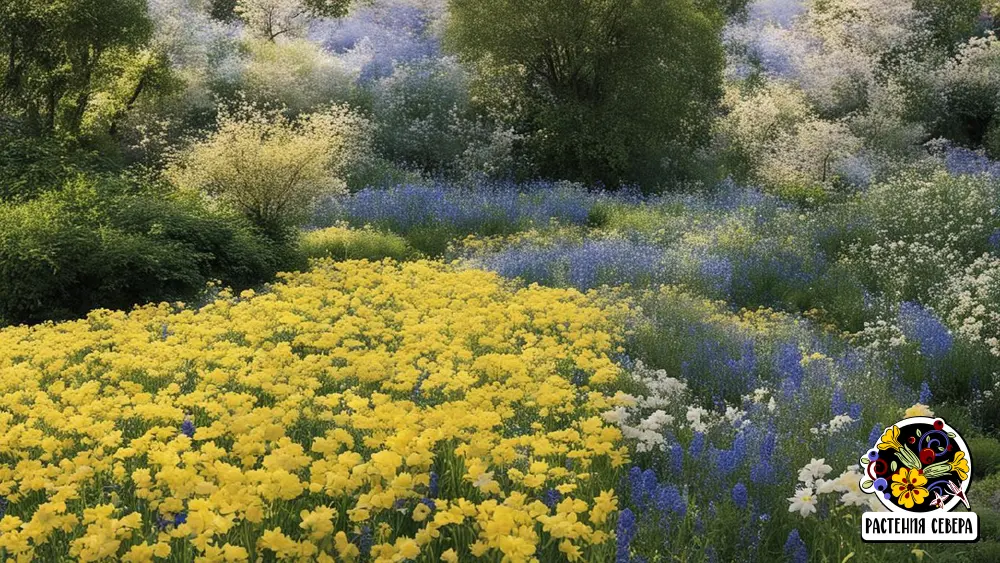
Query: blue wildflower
[624,533]
[740,495]
[920,325]
[187,427]
[551,498]
[795,548]
[925,394]
[432,486]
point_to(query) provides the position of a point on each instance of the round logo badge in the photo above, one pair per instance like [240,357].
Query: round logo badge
[920,464]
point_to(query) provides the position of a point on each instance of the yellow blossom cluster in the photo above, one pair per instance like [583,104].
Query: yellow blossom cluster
[400,412]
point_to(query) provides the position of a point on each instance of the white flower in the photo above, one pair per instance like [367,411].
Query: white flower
[694,415]
[804,502]
[815,469]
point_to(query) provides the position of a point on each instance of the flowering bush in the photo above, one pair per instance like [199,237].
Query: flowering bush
[270,168]
[358,410]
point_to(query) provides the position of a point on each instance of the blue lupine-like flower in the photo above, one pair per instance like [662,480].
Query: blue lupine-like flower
[551,498]
[795,548]
[925,394]
[669,501]
[717,272]
[624,533]
[727,461]
[994,240]
[677,457]
[4,503]
[697,445]
[187,427]
[432,486]
[875,434]
[854,411]
[429,502]
[180,518]
[740,495]
[963,161]
[499,207]
[838,405]
[920,325]
[365,540]
[788,365]
[763,470]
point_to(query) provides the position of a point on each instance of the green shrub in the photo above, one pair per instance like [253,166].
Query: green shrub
[104,243]
[30,166]
[342,243]
[985,455]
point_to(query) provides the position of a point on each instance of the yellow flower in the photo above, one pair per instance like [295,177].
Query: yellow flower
[420,512]
[960,465]
[571,551]
[890,439]
[449,556]
[918,410]
[908,487]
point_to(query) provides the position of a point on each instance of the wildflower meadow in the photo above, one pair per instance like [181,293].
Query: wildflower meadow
[381,281]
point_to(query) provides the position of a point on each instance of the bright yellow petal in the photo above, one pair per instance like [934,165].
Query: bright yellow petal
[898,489]
[917,479]
[919,495]
[899,476]
[906,500]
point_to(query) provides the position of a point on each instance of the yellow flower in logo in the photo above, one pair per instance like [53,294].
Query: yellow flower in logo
[908,486]
[890,439]
[960,465]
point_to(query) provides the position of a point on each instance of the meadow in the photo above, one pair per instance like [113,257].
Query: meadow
[422,280]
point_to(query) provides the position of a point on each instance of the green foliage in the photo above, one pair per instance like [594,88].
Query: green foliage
[985,455]
[106,243]
[950,21]
[55,53]
[222,10]
[342,243]
[610,90]
[30,166]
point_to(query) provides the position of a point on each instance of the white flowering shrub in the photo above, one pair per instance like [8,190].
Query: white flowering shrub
[425,118]
[971,301]
[295,74]
[965,95]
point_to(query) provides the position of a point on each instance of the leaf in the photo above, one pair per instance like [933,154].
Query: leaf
[893,465]
[951,434]
[919,433]
[867,483]
[848,558]
[865,460]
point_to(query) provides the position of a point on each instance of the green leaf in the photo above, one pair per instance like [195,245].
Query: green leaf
[865,460]
[919,433]
[867,483]
[893,465]
[951,434]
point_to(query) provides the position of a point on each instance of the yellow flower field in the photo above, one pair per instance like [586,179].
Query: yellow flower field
[411,410]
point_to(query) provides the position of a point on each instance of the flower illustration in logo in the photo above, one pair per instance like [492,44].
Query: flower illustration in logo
[919,464]
[908,487]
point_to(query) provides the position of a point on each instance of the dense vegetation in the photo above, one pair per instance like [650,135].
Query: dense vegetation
[436,280]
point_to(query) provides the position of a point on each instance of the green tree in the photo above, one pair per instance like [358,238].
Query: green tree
[951,22]
[607,90]
[54,51]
